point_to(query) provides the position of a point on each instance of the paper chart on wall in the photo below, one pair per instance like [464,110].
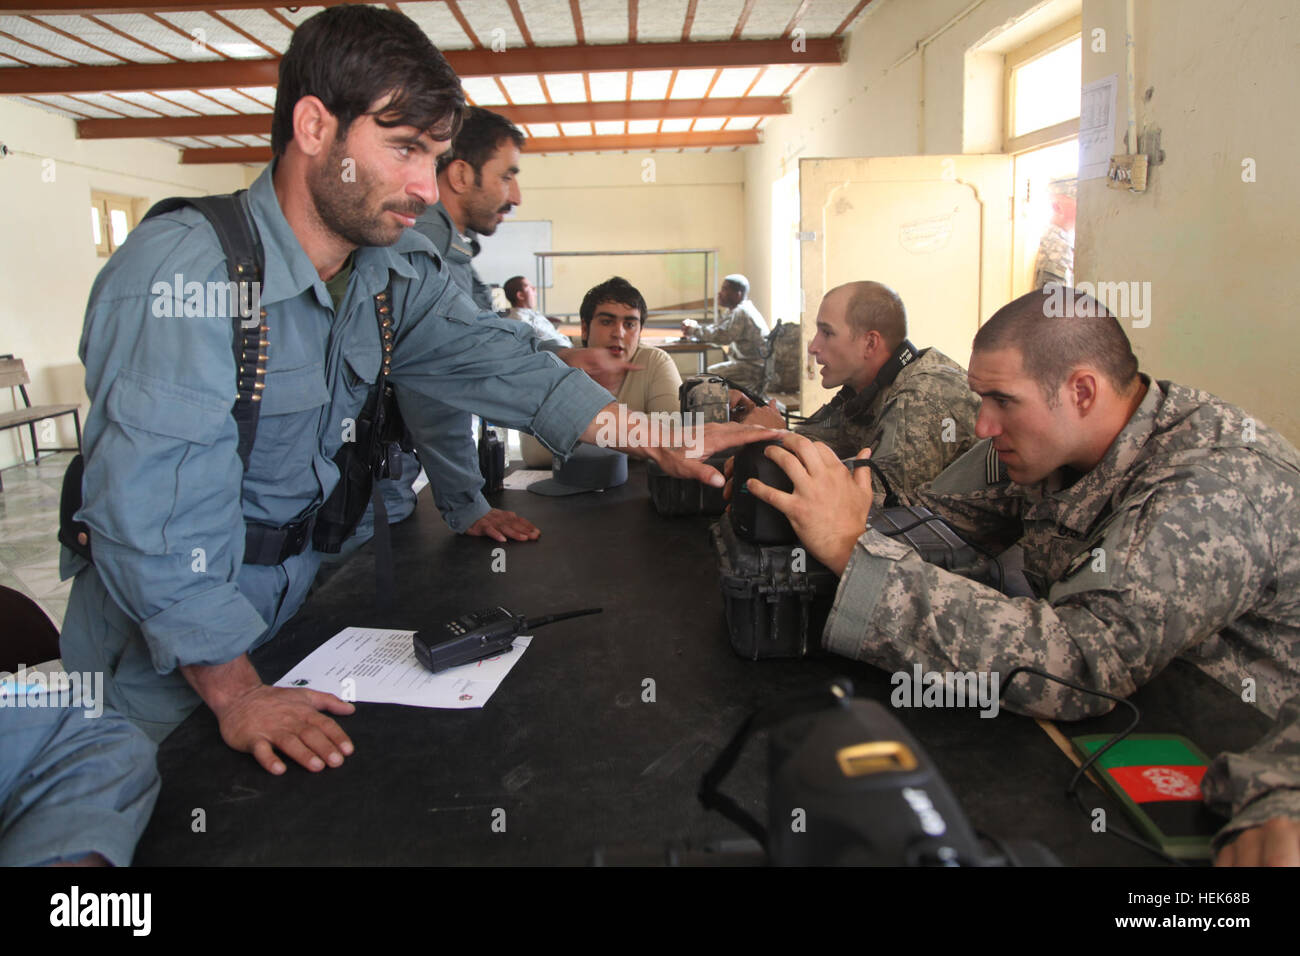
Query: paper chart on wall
[1097,126]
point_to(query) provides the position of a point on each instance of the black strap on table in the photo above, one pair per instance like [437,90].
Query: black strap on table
[760,720]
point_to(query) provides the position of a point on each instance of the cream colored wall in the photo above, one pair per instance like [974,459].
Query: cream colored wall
[47,261]
[617,201]
[1217,251]
[906,89]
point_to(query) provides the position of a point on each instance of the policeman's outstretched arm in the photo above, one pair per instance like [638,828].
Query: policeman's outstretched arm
[264,721]
[678,451]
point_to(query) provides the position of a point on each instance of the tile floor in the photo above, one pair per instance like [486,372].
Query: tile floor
[29,520]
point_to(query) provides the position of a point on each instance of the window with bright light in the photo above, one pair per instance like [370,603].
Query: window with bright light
[1043,82]
[1047,89]
[111,219]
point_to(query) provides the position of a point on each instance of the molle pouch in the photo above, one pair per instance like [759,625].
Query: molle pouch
[357,462]
[776,597]
[928,535]
[931,537]
[706,395]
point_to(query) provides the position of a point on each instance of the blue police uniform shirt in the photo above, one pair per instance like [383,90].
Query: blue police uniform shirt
[455,480]
[164,492]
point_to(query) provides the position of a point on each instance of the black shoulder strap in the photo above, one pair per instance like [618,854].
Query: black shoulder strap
[233,223]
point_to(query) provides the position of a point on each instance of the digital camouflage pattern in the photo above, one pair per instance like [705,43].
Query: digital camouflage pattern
[1055,259]
[1184,541]
[915,427]
[784,358]
[745,331]
[743,328]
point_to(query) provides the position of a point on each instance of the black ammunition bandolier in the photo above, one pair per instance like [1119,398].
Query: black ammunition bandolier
[378,432]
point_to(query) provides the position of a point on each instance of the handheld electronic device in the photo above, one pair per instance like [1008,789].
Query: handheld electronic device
[758,521]
[478,634]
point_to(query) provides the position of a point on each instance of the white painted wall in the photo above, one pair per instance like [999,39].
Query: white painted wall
[636,201]
[47,259]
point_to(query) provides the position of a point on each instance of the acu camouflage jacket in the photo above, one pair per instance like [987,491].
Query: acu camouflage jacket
[1183,542]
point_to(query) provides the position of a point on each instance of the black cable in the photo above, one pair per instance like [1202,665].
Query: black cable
[1072,790]
[552,618]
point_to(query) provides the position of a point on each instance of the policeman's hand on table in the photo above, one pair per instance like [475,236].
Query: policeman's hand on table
[744,410]
[604,369]
[264,719]
[500,525]
[1276,843]
[829,505]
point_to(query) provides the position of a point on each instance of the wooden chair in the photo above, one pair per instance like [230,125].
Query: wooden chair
[13,374]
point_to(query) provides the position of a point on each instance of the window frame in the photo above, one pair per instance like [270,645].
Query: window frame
[106,203]
[1047,42]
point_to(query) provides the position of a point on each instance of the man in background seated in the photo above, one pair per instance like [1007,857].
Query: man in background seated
[522,296]
[613,316]
[917,419]
[742,327]
[1157,521]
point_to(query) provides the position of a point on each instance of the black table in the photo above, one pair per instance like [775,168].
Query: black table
[567,747]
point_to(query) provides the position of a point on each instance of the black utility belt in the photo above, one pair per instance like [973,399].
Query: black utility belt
[266,545]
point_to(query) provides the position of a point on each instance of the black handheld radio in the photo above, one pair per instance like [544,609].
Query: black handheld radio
[478,634]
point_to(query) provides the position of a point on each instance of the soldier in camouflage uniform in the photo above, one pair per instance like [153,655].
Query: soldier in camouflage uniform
[1055,259]
[916,425]
[740,326]
[1157,522]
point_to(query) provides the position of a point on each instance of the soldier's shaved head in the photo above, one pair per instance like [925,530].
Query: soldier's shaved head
[873,307]
[1052,346]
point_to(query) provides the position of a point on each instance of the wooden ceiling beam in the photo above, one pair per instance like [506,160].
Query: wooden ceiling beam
[89,7]
[576,144]
[146,77]
[548,144]
[260,123]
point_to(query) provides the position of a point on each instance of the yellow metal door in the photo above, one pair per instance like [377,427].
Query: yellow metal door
[936,229]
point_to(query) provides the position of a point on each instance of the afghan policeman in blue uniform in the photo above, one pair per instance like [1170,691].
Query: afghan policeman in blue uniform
[175,599]
[77,781]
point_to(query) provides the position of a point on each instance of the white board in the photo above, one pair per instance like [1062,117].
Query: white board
[509,251]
